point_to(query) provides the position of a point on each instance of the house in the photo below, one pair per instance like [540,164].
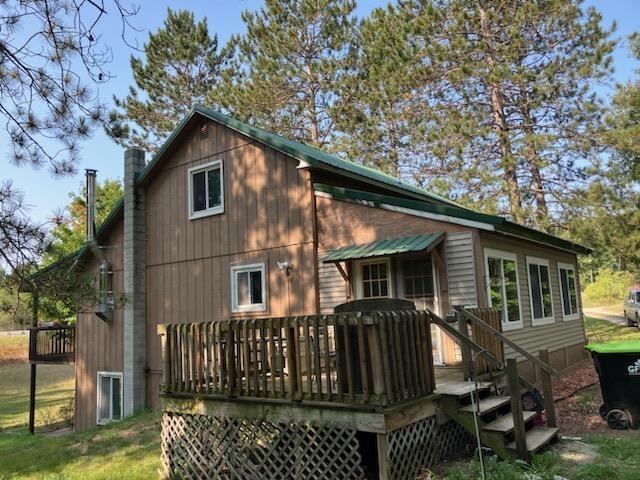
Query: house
[229,222]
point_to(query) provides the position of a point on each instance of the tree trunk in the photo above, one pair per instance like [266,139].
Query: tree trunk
[533,161]
[314,129]
[501,126]
[542,213]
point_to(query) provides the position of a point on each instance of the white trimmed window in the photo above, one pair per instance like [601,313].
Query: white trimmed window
[248,288]
[109,404]
[373,279]
[503,290]
[540,291]
[568,291]
[206,190]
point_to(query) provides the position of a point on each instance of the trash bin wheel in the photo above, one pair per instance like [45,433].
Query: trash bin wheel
[603,410]
[619,419]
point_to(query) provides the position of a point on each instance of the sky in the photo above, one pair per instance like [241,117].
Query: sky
[45,195]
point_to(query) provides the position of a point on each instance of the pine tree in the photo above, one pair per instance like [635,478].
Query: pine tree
[289,70]
[181,66]
[606,217]
[622,131]
[495,98]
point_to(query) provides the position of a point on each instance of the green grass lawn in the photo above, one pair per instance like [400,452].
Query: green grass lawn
[602,331]
[126,450]
[616,459]
[54,394]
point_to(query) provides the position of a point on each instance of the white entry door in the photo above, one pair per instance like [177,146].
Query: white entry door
[418,281]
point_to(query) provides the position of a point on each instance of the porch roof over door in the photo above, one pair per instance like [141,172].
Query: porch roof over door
[380,248]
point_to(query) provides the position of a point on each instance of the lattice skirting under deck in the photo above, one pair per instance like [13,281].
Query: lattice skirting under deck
[422,444]
[203,447]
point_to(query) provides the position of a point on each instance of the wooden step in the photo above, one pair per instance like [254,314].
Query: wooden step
[504,424]
[460,389]
[486,405]
[537,438]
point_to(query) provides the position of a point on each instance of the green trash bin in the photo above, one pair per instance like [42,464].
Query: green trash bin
[618,366]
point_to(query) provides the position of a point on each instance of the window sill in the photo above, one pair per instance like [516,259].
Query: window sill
[539,322]
[507,326]
[102,423]
[250,309]
[570,318]
[206,213]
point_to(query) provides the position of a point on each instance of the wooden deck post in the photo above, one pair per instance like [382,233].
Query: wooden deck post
[547,390]
[166,362]
[516,409]
[383,464]
[32,347]
[467,360]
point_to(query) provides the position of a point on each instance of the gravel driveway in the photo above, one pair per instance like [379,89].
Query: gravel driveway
[613,314]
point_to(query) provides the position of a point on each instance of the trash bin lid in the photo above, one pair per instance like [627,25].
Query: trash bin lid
[629,346]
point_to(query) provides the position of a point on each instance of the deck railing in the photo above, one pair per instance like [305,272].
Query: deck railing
[358,359]
[52,344]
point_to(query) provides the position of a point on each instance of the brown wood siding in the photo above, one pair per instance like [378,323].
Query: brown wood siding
[98,343]
[553,336]
[344,223]
[267,218]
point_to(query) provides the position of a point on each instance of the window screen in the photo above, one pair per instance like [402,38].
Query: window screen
[540,290]
[109,405]
[206,186]
[248,289]
[503,286]
[568,291]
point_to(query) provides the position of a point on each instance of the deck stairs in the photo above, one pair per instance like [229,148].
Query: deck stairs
[495,420]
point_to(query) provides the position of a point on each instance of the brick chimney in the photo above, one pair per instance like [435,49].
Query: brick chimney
[135,315]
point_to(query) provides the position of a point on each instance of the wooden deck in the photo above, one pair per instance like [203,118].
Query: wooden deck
[372,359]
[53,345]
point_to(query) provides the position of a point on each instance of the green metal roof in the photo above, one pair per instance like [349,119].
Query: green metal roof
[629,346]
[499,224]
[380,248]
[67,260]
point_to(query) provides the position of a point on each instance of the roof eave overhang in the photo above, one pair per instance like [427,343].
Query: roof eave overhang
[524,233]
[70,261]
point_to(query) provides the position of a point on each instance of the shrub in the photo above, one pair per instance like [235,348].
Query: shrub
[609,285]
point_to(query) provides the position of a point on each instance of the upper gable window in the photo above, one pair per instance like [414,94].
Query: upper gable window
[206,190]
